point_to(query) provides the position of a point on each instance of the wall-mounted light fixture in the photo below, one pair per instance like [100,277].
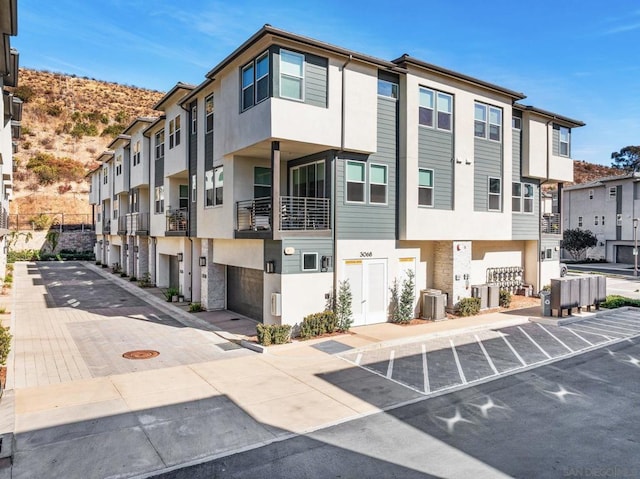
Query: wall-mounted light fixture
[180,257]
[202,261]
[135,249]
[126,246]
[270,267]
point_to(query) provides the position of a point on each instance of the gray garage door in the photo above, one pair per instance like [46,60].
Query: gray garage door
[624,254]
[244,291]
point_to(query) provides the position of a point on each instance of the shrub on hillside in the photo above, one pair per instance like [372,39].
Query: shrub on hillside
[50,169]
[25,93]
[113,130]
[83,128]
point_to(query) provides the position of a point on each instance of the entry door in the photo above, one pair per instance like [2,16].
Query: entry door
[368,282]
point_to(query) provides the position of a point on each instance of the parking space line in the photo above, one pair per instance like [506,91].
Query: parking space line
[392,354]
[576,334]
[608,338]
[504,336]
[457,359]
[617,326]
[427,387]
[486,355]
[534,343]
[622,319]
[358,359]
[555,337]
[614,334]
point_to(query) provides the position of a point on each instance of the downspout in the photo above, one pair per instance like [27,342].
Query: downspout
[188,149]
[539,252]
[333,180]
[191,269]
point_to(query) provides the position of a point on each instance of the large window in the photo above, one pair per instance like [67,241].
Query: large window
[255,81]
[159,199]
[291,75]
[387,88]
[522,197]
[262,77]
[136,153]
[213,186]
[208,111]
[564,141]
[261,182]
[194,119]
[307,181]
[118,165]
[355,181]
[174,132]
[488,122]
[377,184]
[208,188]
[160,144]
[425,187]
[248,88]
[435,109]
[495,194]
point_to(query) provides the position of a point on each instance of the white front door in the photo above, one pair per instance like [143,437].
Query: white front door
[368,282]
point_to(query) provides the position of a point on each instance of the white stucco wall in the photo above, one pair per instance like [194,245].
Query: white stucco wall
[241,253]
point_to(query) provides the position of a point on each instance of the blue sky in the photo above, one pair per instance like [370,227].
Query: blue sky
[578,58]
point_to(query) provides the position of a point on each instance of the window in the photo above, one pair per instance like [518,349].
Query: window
[261,182]
[291,75]
[309,261]
[159,199]
[579,221]
[218,184]
[590,194]
[183,197]
[487,122]
[549,253]
[522,197]
[194,119]
[377,184]
[136,153]
[115,214]
[176,133]
[160,145]
[528,197]
[564,141]
[602,223]
[495,194]
[612,192]
[135,204]
[355,181]
[425,187]
[262,77]
[194,189]
[595,220]
[307,180]
[105,175]
[441,111]
[171,133]
[118,165]
[247,86]
[516,123]
[618,220]
[516,197]
[387,88]
[208,111]
[208,188]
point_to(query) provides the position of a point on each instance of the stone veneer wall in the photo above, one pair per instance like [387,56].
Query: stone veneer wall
[451,269]
[212,285]
[73,240]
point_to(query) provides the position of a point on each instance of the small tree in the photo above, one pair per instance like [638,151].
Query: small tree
[401,308]
[578,241]
[343,306]
[628,158]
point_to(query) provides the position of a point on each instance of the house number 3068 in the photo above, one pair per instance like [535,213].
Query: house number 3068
[366,254]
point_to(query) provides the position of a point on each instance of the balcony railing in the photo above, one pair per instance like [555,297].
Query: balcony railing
[177,222]
[106,227]
[550,224]
[296,214]
[138,223]
[122,225]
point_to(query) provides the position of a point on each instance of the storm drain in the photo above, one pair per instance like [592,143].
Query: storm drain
[141,354]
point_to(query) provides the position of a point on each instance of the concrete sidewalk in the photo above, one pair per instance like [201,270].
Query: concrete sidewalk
[141,422]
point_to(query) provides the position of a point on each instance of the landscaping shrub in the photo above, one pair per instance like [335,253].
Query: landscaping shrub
[344,315]
[401,308]
[273,334]
[40,222]
[195,308]
[468,306]
[25,255]
[5,344]
[616,301]
[505,298]
[317,324]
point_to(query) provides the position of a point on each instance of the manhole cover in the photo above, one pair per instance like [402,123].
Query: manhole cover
[140,354]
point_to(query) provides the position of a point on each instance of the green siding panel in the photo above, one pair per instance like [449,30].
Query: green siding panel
[435,151]
[292,264]
[487,163]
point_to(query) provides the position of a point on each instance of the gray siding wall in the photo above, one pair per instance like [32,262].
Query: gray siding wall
[435,151]
[487,163]
[315,77]
[555,140]
[524,226]
[365,221]
[292,264]
[516,155]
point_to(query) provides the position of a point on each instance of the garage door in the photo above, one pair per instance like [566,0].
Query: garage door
[624,254]
[245,291]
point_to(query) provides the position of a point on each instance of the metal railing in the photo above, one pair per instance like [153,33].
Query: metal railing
[550,224]
[296,214]
[137,222]
[177,220]
[122,225]
[55,221]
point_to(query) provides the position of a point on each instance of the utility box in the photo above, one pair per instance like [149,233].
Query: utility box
[601,289]
[493,299]
[432,305]
[584,291]
[565,294]
[545,302]
[481,291]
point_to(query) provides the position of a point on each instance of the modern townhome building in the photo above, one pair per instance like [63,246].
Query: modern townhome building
[10,116]
[609,208]
[297,165]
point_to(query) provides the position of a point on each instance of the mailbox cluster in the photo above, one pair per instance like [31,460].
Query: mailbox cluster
[582,292]
[509,278]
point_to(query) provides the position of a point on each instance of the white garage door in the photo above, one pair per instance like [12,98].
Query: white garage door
[368,281]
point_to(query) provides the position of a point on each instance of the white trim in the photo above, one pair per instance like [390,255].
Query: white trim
[302,256]
[301,78]
[489,194]
[386,184]
[257,79]
[432,187]
[346,183]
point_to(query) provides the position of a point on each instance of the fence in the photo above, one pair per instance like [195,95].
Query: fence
[55,221]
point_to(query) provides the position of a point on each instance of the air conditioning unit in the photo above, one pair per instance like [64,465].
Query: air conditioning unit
[432,305]
[276,304]
[481,291]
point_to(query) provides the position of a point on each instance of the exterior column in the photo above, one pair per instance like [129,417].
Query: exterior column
[213,280]
[275,189]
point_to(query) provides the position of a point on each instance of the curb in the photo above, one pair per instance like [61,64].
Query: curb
[550,321]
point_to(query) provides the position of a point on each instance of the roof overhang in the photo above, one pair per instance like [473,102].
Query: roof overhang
[560,119]
[152,127]
[9,17]
[140,121]
[179,90]
[118,140]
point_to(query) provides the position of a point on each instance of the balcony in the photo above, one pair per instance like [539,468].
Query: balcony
[122,225]
[296,214]
[177,223]
[138,224]
[550,224]
[106,227]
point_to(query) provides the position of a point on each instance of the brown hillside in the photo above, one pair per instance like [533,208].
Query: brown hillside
[72,117]
[584,172]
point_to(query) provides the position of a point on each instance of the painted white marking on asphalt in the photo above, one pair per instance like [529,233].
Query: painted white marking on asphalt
[392,354]
[614,334]
[585,340]
[615,325]
[591,332]
[455,356]
[358,359]
[427,386]
[486,355]
[554,337]
[503,336]
[624,319]
[534,343]
[156,317]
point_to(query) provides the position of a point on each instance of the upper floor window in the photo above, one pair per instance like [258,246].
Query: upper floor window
[425,187]
[377,184]
[159,199]
[118,165]
[618,220]
[355,181]
[255,81]
[261,182]
[160,144]
[590,194]
[136,153]
[194,119]
[564,141]
[213,186]
[248,88]
[174,132]
[495,194]
[435,109]
[488,122]
[612,192]
[522,198]
[579,221]
[516,123]
[208,111]
[262,77]
[602,221]
[105,175]
[595,220]
[387,88]
[291,75]
[194,189]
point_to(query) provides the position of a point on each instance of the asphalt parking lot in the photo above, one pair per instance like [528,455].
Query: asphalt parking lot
[439,364]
